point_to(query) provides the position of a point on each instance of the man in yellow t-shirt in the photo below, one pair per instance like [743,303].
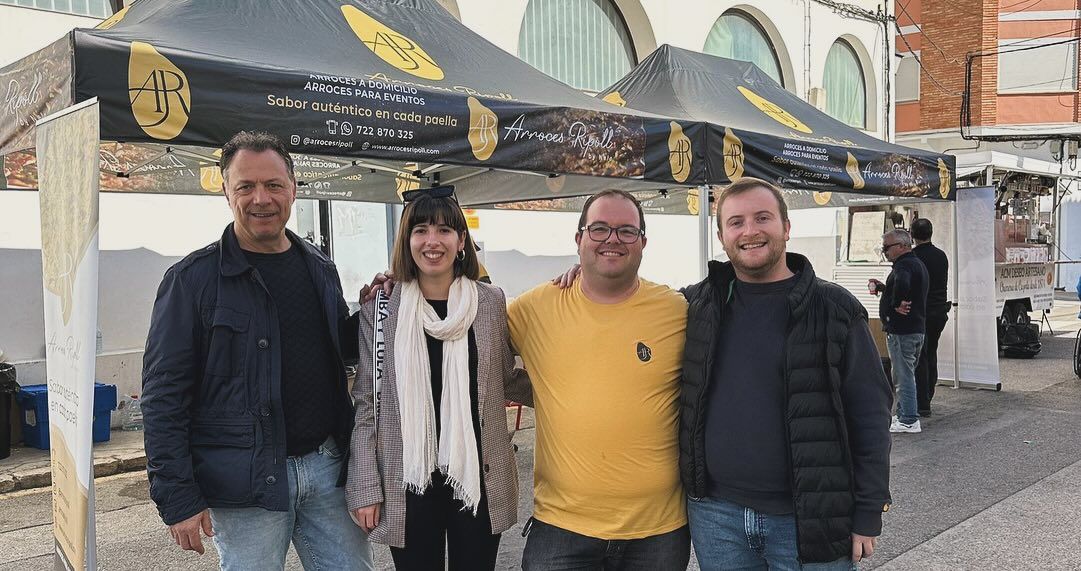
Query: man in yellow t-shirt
[604,357]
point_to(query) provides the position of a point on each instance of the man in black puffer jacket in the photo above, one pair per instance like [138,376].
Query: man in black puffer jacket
[785,409]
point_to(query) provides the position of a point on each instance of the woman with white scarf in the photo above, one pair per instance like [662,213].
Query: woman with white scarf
[432,471]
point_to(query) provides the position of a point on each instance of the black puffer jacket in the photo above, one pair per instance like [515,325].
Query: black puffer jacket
[838,453]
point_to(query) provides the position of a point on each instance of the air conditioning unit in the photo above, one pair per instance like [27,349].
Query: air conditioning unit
[817,97]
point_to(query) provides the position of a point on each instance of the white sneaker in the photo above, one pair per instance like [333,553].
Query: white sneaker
[900,427]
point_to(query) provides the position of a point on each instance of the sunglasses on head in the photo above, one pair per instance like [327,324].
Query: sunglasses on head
[434,192]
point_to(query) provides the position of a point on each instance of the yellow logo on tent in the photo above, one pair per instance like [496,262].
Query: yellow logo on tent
[210,178]
[692,201]
[853,170]
[822,198]
[943,179]
[113,20]
[775,111]
[733,155]
[483,129]
[615,99]
[392,47]
[158,91]
[679,153]
[404,183]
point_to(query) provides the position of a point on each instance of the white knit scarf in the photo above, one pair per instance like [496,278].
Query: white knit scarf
[457,455]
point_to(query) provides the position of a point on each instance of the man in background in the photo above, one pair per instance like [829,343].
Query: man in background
[938,312]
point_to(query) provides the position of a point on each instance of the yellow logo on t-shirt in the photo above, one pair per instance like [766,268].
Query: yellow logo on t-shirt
[644,352]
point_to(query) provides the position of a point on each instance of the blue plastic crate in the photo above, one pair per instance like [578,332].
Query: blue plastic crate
[34,401]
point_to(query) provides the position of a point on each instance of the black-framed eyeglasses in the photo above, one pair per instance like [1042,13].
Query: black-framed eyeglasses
[886,247]
[602,232]
[444,191]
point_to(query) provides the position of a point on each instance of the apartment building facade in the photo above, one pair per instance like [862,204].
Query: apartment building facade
[995,82]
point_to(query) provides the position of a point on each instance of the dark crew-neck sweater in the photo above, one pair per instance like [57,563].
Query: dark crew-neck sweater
[746,445]
[308,371]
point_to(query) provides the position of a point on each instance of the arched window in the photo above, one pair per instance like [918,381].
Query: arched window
[583,43]
[846,91]
[736,35]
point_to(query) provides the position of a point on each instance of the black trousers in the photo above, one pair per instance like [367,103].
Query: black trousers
[436,527]
[927,366]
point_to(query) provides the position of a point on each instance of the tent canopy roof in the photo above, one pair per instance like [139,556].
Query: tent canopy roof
[362,89]
[756,127]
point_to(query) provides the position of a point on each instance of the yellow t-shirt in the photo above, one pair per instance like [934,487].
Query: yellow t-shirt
[606,388]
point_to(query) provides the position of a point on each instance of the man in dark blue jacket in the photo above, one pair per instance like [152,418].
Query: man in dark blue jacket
[245,405]
[903,311]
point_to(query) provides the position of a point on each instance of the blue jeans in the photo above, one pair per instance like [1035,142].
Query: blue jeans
[317,522]
[551,548]
[904,353]
[730,537]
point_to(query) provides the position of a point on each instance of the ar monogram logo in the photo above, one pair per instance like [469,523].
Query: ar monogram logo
[852,167]
[210,178]
[615,99]
[483,129]
[392,47]
[113,20]
[822,198]
[644,352]
[733,155]
[159,92]
[679,153]
[943,179]
[774,111]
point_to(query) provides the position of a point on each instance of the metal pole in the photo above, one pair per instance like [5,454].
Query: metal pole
[326,243]
[394,216]
[703,231]
[956,305]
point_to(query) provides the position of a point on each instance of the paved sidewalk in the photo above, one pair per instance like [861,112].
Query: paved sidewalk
[29,467]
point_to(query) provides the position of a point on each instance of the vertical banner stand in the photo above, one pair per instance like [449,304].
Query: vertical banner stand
[68,163]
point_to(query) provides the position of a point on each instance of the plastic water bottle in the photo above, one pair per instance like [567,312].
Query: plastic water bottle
[133,420]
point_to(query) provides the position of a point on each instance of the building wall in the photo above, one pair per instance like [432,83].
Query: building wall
[802,32]
[26,30]
[143,235]
[942,32]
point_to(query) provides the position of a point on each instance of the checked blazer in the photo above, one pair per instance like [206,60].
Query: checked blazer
[375,463]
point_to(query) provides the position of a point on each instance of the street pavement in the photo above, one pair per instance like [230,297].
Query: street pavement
[991,483]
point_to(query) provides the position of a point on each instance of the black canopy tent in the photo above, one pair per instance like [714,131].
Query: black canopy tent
[744,123]
[755,127]
[374,97]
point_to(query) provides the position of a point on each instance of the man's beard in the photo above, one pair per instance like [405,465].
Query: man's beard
[775,254]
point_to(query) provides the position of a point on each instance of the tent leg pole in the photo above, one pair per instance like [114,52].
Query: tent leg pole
[956,306]
[394,214]
[703,231]
[325,234]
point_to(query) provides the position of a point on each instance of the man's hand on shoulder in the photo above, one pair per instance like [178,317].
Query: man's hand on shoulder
[862,547]
[383,280]
[566,279]
[186,533]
